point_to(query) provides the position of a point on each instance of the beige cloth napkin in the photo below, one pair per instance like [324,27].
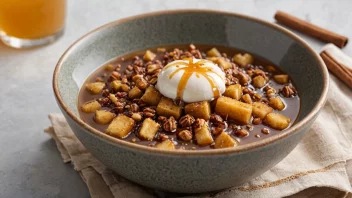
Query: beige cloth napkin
[320,165]
[322,159]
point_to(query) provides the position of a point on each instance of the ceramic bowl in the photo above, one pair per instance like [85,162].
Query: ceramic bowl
[203,170]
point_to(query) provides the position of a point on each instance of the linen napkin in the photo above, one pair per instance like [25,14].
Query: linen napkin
[320,165]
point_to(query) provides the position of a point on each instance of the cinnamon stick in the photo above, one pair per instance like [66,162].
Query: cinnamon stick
[341,71]
[310,29]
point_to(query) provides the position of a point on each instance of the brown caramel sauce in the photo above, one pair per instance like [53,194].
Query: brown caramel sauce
[291,111]
[191,68]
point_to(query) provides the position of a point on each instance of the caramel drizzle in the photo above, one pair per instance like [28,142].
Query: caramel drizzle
[189,69]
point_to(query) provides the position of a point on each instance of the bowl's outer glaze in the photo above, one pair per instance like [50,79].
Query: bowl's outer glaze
[186,174]
[191,172]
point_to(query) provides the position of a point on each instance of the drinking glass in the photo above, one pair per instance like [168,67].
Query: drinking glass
[29,23]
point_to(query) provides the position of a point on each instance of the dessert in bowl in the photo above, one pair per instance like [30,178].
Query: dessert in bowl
[189,97]
[184,117]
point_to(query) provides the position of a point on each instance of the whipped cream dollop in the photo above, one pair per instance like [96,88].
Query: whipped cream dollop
[191,80]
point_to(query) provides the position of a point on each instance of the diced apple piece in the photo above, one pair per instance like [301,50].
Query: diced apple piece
[116,85]
[113,99]
[135,92]
[213,52]
[256,96]
[247,98]
[167,108]
[109,67]
[166,145]
[277,103]
[282,78]
[103,116]
[136,116]
[95,87]
[149,56]
[203,135]
[120,127]
[233,109]
[260,110]
[243,78]
[234,91]
[224,140]
[224,63]
[151,96]
[91,106]
[125,88]
[270,68]
[213,59]
[277,121]
[243,59]
[152,69]
[149,129]
[199,110]
[259,81]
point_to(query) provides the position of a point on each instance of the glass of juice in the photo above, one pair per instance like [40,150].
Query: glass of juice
[29,23]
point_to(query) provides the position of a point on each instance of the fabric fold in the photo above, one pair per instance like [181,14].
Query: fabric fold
[321,162]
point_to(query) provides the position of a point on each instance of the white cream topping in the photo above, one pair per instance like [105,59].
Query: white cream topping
[202,80]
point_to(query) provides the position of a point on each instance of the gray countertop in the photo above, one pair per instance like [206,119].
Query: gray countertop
[30,165]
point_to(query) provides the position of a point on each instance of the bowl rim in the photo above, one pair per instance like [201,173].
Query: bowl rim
[242,148]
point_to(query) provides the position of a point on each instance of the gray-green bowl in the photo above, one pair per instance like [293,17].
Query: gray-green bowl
[191,171]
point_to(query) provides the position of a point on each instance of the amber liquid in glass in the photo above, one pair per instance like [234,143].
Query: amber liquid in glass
[31,19]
